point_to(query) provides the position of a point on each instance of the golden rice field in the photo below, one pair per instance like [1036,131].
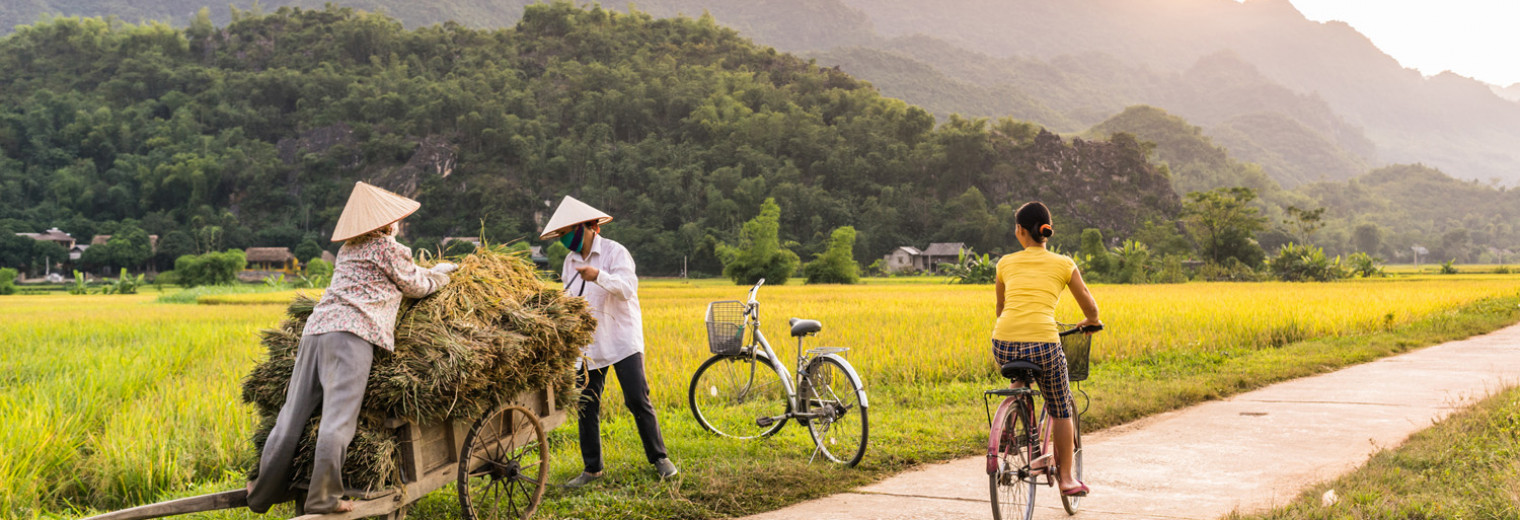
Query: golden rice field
[903,334]
[107,400]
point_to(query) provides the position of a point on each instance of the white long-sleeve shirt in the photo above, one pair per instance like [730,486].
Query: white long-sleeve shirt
[614,299]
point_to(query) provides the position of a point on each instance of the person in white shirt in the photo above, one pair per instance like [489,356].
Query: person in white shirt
[602,271]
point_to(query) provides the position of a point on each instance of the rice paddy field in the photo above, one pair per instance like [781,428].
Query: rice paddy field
[110,401]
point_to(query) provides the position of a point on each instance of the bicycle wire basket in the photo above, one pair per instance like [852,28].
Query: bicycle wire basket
[725,327]
[1078,349]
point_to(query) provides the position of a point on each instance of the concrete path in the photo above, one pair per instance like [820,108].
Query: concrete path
[1250,452]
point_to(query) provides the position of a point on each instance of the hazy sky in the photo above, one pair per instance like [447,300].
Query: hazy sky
[1474,38]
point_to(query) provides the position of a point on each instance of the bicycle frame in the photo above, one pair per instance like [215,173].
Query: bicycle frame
[1013,395]
[791,382]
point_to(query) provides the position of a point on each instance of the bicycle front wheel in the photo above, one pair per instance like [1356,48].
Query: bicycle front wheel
[834,398]
[1012,485]
[739,396]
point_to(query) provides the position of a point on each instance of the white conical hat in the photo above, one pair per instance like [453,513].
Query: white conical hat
[569,213]
[370,208]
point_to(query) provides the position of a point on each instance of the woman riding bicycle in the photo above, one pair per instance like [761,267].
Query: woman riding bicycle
[1029,283]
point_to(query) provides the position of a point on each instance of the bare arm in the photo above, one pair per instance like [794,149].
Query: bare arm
[1084,299]
[998,286]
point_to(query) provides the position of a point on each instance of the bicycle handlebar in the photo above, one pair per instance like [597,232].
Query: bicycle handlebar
[754,290]
[1089,329]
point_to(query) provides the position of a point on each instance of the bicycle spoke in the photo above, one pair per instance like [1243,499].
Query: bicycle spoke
[729,394]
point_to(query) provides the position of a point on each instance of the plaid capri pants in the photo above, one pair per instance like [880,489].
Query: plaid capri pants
[1052,381]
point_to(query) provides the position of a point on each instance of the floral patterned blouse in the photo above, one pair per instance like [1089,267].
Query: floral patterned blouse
[370,276]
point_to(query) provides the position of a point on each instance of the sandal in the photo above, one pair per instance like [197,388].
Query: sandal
[1080,491]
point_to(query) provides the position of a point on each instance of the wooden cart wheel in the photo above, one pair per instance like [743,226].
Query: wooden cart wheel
[503,467]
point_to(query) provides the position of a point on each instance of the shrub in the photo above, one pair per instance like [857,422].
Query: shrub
[1232,270]
[1503,269]
[165,278]
[759,253]
[1448,267]
[317,267]
[1301,263]
[837,264]
[309,249]
[1131,263]
[210,268]
[124,284]
[1365,265]
[1171,271]
[557,253]
[7,281]
[974,270]
[80,285]
[1096,262]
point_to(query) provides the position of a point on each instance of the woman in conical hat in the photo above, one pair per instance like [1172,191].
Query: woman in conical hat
[602,271]
[356,314]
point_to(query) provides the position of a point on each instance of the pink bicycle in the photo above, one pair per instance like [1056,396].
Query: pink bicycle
[1020,452]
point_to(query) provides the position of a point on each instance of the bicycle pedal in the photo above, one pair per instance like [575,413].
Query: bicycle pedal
[765,422]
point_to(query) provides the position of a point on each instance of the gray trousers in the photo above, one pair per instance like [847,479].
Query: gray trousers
[331,370]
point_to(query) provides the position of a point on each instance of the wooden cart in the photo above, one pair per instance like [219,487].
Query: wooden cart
[499,461]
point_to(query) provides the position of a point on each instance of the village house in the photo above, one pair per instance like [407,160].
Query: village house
[54,235]
[911,259]
[901,260]
[264,262]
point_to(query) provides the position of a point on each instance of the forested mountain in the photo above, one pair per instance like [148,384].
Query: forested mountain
[252,134]
[1385,212]
[1308,101]
[1414,205]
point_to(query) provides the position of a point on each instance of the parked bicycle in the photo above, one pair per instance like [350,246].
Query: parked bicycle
[744,392]
[1020,451]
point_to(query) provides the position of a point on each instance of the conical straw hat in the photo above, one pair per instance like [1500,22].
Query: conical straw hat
[370,208]
[570,213]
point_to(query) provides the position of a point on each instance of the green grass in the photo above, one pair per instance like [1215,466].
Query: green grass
[195,294]
[1435,268]
[922,423]
[1465,467]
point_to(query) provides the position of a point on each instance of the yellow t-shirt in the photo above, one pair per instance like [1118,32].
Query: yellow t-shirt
[1033,280]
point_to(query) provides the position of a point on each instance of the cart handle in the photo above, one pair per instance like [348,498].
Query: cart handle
[212,502]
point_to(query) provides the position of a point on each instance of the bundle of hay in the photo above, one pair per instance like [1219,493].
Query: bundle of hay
[494,331]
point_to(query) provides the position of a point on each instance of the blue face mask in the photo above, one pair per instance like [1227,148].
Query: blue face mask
[572,240]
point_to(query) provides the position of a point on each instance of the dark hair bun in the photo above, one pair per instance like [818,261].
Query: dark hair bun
[1034,218]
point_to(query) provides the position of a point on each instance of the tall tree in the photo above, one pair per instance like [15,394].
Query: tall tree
[1367,238]
[1223,223]
[837,264]
[759,253]
[130,247]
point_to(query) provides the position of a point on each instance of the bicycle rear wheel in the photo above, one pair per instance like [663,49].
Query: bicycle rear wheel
[729,395]
[1069,502]
[839,427]
[1012,486]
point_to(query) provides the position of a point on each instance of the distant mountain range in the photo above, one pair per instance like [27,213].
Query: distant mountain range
[1511,92]
[1308,101]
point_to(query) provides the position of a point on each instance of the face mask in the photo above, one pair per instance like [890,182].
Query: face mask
[572,240]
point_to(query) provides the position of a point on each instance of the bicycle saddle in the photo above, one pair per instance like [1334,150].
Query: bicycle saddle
[801,327]
[1021,369]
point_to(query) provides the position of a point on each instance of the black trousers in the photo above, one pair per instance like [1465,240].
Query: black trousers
[630,374]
